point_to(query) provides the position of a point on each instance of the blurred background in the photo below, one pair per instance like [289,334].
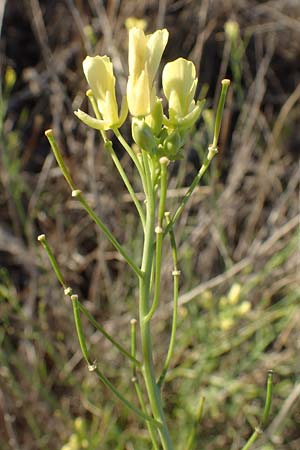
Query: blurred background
[238,238]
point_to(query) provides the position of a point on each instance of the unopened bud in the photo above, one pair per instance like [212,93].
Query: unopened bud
[143,135]
[155,119]
[173,144]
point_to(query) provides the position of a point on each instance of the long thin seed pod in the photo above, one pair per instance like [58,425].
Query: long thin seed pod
[42,239]
[79,330]
[58,156]
[68,291]
[193,434]
[176,274]
[220,109]
[92,366]
[259,430]
[107,335]
[78,194]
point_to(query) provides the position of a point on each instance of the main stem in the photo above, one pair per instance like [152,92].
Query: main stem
[145,290]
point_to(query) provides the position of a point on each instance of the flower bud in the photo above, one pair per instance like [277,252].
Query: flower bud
[143,135]
[173,145]
[155,119]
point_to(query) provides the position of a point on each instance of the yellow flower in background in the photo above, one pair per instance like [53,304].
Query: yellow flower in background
[98,71]
[179,85]
[134,22]
[234,294]
[144,56]
[10,78]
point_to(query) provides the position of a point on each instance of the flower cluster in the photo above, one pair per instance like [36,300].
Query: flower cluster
[152,130]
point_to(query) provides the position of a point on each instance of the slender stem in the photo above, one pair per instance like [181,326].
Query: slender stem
[59,158]
[108,384]
[176,274]
[220,108]
[193,434]
[268,399]
[68,291]
[137,387]
[159,236]
[146,340]
[189,192]
[150,425]
[109,148]
[42,239]
[77,193]
[107,335]
[259,430]
[133,344]
[212,151]
[92,366]
[79,330]
[146,168]
[256,433]
[129,151]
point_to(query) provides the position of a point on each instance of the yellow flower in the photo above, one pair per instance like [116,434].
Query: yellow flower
[98,71]
[144,56]
[133,22]
[179,84]
[234,293]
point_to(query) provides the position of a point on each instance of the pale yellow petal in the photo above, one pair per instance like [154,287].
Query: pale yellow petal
[156,44]
[136,51]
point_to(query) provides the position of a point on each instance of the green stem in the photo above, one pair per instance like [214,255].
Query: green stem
[107,335]
[147,171]
[220,109]
[137,387]
[79,330]
[109,148]
[159,236]
[77,193]
[259,430]
[42,239]
[212,151]
[268,399]
[189,192]
[193,434]
[146,340]
[68,291]
[176,274]
[129,151]
[150,425]
[77,306]
[92,366]
[59,158]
